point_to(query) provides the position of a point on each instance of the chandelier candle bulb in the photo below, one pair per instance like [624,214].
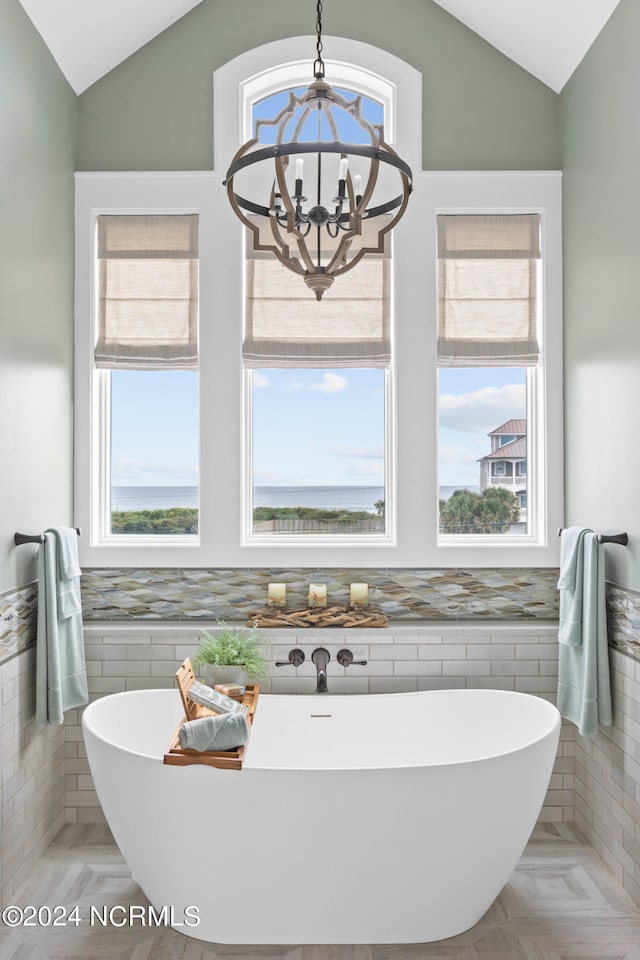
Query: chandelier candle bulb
[357,185]
[277,594]
[342,176]
[359,594]
[317,594]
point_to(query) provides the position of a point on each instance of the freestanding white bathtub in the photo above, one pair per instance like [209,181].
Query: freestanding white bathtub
[356,819]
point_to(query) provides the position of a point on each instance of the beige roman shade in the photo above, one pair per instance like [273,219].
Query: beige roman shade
[285,326]
[148,292]
[487,289]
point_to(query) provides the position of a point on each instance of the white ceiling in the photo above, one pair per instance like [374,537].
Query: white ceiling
[549,38]
[88,38]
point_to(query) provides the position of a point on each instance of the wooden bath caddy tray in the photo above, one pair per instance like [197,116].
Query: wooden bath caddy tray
[224,759]
[335,616]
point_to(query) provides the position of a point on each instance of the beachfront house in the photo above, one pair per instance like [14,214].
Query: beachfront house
[506,464]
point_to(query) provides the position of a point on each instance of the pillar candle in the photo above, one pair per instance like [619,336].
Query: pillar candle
[317,594]
[277,594]
[359,594]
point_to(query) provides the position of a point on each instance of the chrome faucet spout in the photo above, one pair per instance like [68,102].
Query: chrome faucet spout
[321,657]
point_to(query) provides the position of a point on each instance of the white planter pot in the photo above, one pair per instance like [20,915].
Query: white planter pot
[229,674]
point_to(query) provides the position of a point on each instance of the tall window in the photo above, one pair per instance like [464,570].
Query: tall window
[273,395]
[488,354]
[319,390]
[147,355]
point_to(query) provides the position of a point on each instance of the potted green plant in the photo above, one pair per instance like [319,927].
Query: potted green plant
[231,655]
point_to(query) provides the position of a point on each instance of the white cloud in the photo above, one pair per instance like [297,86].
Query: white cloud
[458,455]
[330,383]
[291,383]
[483,410]
[259,379]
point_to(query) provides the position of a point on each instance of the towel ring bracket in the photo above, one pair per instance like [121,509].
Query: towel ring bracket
[19,538]
[621,538]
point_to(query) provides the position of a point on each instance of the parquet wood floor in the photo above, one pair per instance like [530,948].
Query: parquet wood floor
[561,903]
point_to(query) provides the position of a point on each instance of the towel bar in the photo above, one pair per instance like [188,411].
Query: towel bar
[19,538]
[621,538]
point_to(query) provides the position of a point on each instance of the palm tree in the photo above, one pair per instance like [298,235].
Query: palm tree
[379,506]
[492,511]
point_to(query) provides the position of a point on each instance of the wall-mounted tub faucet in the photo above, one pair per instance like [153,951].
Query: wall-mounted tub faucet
[321,657]
[296,657]
[345,659]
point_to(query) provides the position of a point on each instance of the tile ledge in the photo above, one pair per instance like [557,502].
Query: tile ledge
[99,627]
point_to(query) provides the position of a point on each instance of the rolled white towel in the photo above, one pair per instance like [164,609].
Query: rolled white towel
[224,732]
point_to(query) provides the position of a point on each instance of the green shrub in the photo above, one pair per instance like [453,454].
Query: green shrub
[233,647]
[175,521]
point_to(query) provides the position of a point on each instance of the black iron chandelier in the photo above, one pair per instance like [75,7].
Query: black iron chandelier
[360,186]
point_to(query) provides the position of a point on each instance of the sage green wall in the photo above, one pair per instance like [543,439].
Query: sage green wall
[37,142]
[601,147]
[480,111]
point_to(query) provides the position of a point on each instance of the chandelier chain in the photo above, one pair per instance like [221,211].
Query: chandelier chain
[318,66]
[320,236]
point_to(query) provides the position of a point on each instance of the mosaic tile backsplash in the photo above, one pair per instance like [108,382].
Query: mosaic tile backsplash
[623,619]
[231,594]
[18,617]
[402,594]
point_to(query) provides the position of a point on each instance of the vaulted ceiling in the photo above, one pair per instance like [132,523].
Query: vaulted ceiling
[549,38]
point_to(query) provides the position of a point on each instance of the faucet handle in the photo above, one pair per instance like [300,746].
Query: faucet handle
[296,657]
[345,659]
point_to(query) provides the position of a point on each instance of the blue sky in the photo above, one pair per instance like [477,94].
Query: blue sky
[349,130]
[154,428]
[474,401]
[322,427]
[317,427]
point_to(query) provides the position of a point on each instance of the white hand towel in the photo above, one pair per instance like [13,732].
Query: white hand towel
[584,686]
[61,675]
[570,585]
[68,572]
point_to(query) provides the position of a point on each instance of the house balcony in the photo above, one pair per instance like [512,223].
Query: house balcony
[508,482]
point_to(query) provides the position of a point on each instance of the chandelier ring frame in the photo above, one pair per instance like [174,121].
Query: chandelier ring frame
[385,155]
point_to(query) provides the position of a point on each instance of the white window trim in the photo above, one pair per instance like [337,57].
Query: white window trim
[98,193]
[347,62]
[507,192]
[221,381]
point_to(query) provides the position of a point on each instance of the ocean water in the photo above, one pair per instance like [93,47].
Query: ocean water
[153,498]
[163,498]
[323,497]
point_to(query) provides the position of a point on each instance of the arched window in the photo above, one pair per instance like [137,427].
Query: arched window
[318,418]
